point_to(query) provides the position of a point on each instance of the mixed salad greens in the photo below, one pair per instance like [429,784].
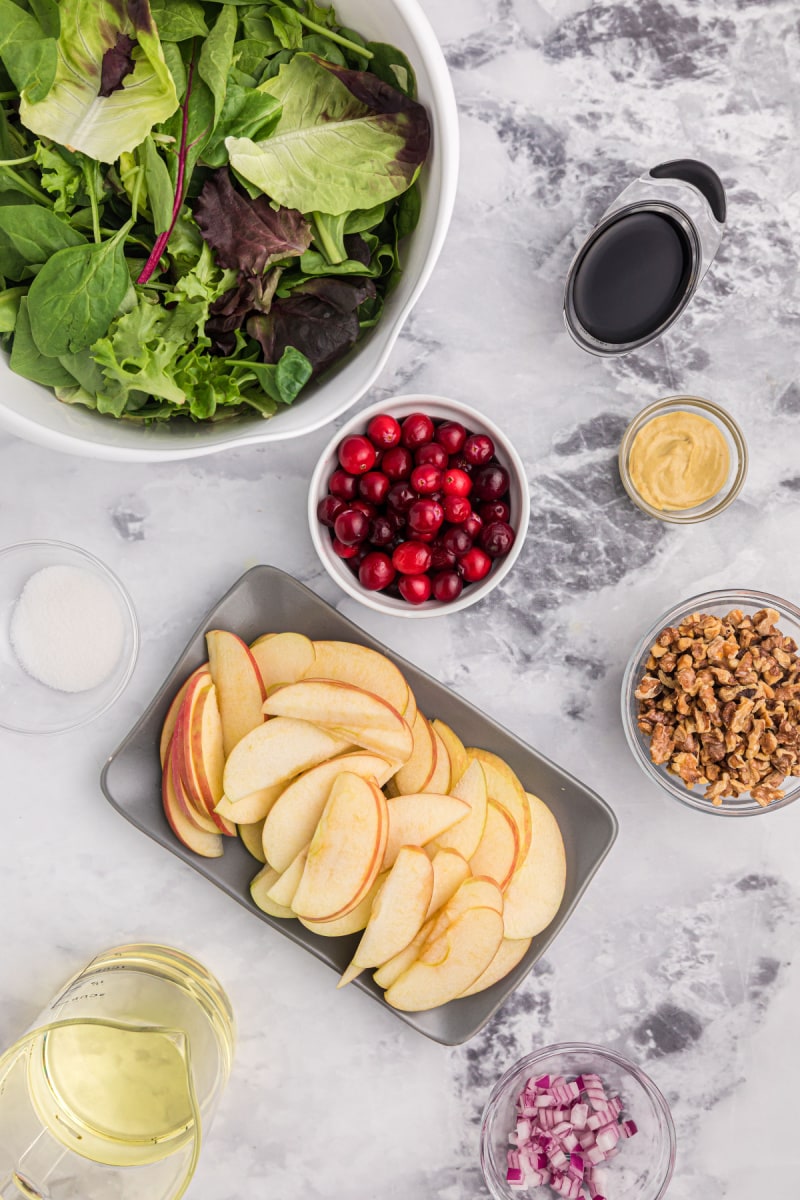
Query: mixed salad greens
[201,203]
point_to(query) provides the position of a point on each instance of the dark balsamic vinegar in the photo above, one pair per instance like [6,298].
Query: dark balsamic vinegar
[632,277]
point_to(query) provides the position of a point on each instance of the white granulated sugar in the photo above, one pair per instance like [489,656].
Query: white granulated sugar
[67,630]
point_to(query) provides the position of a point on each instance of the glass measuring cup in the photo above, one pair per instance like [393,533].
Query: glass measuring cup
[107,1094]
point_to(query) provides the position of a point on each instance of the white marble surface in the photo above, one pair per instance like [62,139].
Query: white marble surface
[681,953]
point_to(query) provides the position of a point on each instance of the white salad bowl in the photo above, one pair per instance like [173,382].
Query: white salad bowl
[32,411]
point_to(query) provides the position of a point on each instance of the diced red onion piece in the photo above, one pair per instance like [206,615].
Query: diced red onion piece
[515,1178]
[576,1169]
[607,1137]
[628,1128]
[579,1115]
[587,1140]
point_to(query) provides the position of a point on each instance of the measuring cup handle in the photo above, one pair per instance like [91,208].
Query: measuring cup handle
[701,176]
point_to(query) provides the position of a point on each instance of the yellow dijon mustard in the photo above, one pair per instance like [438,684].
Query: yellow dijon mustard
[678,460]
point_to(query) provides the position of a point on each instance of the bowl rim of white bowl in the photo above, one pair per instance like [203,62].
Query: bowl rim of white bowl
[402,406]
[129,616]
[442,170]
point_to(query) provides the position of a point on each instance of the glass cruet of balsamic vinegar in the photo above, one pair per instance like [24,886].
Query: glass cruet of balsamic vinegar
[642,263]
[108,1093]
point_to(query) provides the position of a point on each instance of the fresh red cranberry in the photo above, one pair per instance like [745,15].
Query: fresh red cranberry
[328,510]
[381,530]
[447,586]
[452,436]
[342,550]
[493,510]
[357,454]
[491,482]
[376,571]
[478,449]
[474,565]
[342,485]
[426,480]
[456,482]
[459,462]
[425,516]
[397,463]
[351,526]
[364,506]
[383,431]
[457,540]
[441,557]
[417,429]
[400,497]
[415,589]
[497,539]
[373,486]
[456,509]
[426,537]
[473,525]
[412,558]
[431,455]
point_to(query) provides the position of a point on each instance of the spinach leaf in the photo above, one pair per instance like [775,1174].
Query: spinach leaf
[9,307]
[27,360]
[48,16]
[84,370]
[30,56]
[159,186]
[283,381]
[246,113]
[74,297]
[216,56]
[178,20]
[251,55]
[392,66]
[29,236]
[176,67]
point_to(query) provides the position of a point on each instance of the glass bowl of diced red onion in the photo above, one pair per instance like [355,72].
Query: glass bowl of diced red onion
[580,1122]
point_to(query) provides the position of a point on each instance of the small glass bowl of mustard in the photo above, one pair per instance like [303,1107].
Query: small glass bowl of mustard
[683,459]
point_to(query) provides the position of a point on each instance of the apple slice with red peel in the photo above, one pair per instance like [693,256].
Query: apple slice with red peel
[510,952]
[386,974]
[240,690]
[534,895]
[252,808]
[292,820]
[397,913]
[353,921]
[450,870]
[171,718]
[346,851]
[274,753]
[251,840]
[414,775]
[456,751]
[498,851]
[285,886]
[260,887]
[477,891]
[367,669]
[450,964]
[440,780]
[417,819]
[327,702]
[283,658]
[465,836]
[392,744]
[198,751]
[200,819]
[209,845]
[505,789]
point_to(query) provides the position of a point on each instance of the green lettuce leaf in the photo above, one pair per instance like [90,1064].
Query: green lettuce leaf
[178,20]
[345,140]
[29,55]
[74,113]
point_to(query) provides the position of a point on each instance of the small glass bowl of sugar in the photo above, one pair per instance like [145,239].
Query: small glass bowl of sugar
[68,637]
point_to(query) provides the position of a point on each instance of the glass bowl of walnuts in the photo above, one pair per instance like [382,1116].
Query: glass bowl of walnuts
[711,702]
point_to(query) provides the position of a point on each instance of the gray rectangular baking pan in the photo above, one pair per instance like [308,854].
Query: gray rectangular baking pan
[266,600]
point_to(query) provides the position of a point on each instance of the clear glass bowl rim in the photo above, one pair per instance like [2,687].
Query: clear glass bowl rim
[689,516]
[589,1051]
[129,616]
[741,598]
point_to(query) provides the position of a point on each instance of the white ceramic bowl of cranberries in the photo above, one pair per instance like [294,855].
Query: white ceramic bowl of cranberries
[419,506]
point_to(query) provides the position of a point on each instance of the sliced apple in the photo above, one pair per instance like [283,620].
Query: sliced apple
[498,851]
[200,819]
[260,887]
[353,921]
[198,751]
[171,718]
[450,870]
[441,778]
[274,753]
[534,895]
[477,891]
[414,775]
[392,744]
[250,809]
[465,836]
[346,850]
[367,669]
[251,840]
[505,789]
[292,820]
[285,886]
[455,749]
[209,845]
[451,964]
[283,658]
[386,974]
[328,702]
[416,819]
[510,952]
[397,913]
[240,690]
